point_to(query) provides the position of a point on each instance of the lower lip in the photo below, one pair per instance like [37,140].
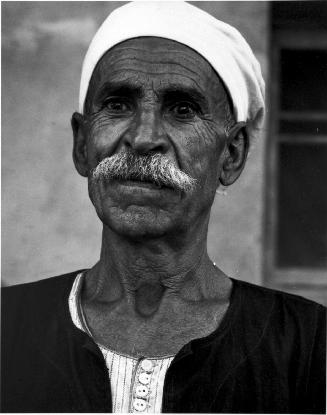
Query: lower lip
[130,192]
[143,185]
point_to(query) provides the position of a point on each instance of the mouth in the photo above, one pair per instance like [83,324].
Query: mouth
[146,184]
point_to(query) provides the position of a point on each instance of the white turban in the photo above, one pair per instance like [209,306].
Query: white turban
[219,43]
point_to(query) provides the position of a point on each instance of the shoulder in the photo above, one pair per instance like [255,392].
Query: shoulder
[270,292]
[49,286]
[39,298]
[260,296]
[279,311]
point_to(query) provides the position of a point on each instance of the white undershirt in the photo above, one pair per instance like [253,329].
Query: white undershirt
[136,384]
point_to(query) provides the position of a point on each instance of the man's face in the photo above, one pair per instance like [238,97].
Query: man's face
[155,96]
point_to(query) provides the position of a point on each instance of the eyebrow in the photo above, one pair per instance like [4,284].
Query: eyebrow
[119,89]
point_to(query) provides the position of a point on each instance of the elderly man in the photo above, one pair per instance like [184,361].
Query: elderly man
[170,100]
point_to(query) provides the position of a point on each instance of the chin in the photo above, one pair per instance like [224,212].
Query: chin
[139,222]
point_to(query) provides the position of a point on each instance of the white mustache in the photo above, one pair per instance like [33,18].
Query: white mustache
[154,167]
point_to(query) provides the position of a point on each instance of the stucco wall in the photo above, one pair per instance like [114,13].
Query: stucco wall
[48,224]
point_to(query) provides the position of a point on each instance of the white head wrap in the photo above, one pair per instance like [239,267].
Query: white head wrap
[219,43]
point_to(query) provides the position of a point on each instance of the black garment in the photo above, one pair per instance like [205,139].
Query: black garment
[267,356]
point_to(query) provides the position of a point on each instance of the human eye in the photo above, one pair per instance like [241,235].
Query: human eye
[184,110]
[117,106]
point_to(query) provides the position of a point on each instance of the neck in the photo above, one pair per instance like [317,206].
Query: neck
[146,272]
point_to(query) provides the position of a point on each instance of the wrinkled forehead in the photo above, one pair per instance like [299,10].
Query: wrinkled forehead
[163,62]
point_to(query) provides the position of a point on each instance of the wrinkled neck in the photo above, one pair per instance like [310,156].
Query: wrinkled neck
[146,272]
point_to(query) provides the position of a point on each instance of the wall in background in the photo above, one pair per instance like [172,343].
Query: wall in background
[49,226]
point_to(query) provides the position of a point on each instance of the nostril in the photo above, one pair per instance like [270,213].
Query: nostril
[146,146]
[151,150]
[159,149]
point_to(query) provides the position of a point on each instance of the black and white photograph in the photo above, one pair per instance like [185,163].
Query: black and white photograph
[164,206]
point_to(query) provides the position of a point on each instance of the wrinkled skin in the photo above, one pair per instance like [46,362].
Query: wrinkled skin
[156,95]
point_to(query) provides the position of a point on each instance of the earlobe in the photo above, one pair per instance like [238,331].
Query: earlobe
[80,144]
[235,154]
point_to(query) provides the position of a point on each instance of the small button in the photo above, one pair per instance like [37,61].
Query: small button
[144,378]
[139,405]
[141,391]
[147,365]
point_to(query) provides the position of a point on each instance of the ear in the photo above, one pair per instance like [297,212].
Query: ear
[235,154]
[80,144]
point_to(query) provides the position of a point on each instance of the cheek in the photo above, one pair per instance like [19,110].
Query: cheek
[104,137]
[199,147]
[215,140]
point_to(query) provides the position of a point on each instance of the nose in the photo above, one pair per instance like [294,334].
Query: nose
[146,133]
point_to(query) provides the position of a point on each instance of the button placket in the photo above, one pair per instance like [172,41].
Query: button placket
[141,386]
[154,384]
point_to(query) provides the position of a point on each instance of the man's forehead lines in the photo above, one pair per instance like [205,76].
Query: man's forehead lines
[189,56]
[147,64]
[154,45]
